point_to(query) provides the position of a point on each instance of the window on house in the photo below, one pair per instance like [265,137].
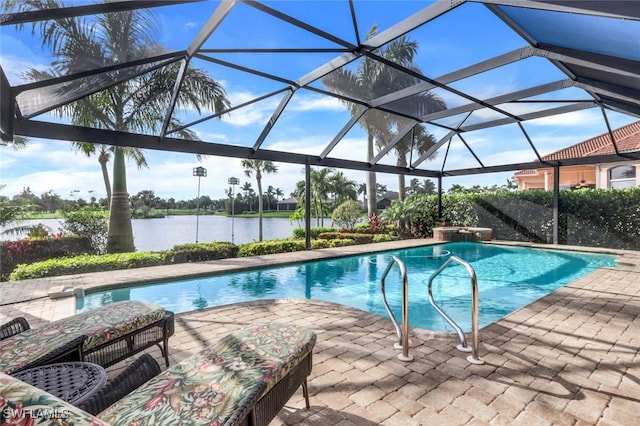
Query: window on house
[622,177]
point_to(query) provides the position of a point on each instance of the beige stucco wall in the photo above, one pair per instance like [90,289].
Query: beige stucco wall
[572,176]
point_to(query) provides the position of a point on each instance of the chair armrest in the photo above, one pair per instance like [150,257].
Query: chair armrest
[135,375]
[13,327]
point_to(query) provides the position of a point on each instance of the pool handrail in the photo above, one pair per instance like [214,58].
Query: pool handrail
[403,335]
[463,346]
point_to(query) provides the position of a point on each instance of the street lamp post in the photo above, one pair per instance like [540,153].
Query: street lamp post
[200,172]
[233,181]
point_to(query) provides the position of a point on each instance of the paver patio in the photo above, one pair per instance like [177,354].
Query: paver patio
[570,358]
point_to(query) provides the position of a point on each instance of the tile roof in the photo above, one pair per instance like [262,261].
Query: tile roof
[627,140]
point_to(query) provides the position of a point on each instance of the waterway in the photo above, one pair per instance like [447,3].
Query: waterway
[164,233]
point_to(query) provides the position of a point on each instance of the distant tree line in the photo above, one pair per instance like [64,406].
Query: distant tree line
[246,200]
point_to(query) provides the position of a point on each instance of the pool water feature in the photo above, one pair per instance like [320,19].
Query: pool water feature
[508,278]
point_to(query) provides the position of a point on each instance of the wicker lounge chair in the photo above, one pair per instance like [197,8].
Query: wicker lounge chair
[244,379]
[103,336]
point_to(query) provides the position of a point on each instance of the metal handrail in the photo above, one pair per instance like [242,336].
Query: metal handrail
[403,335]
[474,309]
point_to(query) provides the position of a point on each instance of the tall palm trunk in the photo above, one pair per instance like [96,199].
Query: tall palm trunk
[120,235]
[402,162]
[260,203]
[103,159]
[371,178]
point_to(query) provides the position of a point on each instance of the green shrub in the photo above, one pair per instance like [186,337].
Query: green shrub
[357,238]
[90,222]
[338,242]
[299,233]
[271,247]
[380,238]
[84,264]
[347,215]
[198,252]
[288,246]
[362,228]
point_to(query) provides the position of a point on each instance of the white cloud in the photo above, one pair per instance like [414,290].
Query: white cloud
[573,119]
[254,114]
[302,102]
[20,59]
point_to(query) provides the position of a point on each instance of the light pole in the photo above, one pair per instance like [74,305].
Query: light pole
[200,172]
[233,181]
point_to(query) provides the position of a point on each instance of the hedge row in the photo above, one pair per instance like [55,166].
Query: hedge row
[85,263]
[179,254]
[593,218]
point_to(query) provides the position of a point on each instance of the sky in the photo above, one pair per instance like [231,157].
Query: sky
[310,121]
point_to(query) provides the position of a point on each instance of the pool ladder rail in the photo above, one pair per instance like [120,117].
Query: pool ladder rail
[403,333]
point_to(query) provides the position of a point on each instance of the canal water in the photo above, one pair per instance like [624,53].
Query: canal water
[164,233]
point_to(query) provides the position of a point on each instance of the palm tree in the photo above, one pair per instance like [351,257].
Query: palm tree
[104,156]
[371,80]
[136,105]
[247,189]
[362,189]
[320,188]
[19,142]
[343,188]
[278,193]
[271,191]
[419,138]
[259,167]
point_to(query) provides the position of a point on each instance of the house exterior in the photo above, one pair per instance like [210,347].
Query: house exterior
[289,205]
[386,199]
[619,174]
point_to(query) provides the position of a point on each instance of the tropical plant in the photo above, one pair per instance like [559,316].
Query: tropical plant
[373,79]
[259,167]
[139,104]
[399,215]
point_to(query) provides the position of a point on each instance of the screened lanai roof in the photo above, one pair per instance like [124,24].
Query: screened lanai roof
[487,81]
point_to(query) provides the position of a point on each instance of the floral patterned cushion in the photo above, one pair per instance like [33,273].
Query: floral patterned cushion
[207,387]
[23,404]
[100,325]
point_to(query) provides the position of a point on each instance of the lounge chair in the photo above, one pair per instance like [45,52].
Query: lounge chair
[103,336]
[244,379]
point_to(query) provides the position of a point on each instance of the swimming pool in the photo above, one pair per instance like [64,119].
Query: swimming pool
[508,278]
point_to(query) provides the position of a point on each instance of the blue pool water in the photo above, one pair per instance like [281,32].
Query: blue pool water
[508,278]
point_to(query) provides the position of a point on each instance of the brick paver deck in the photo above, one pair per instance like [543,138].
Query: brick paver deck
[570,358]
